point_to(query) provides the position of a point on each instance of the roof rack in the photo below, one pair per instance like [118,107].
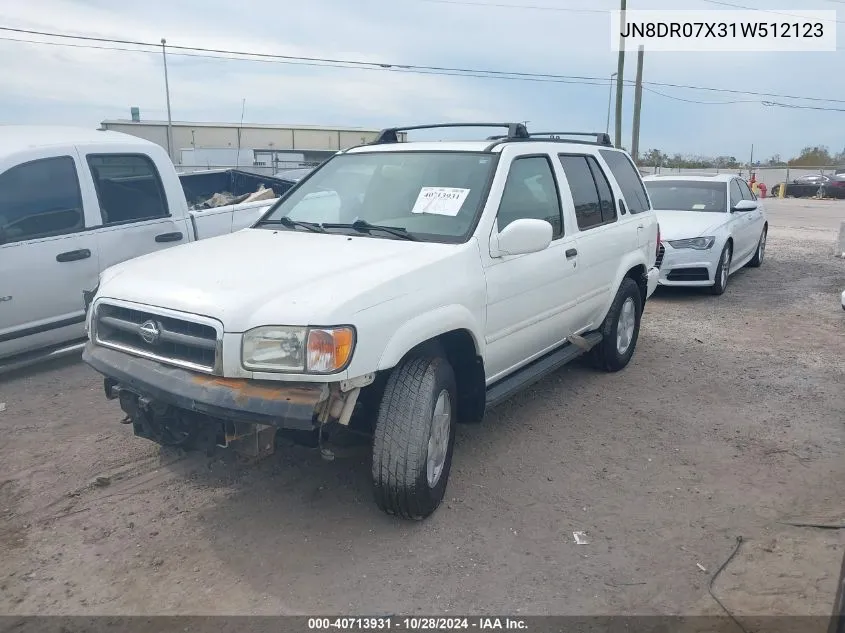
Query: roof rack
[602,138]
[391,134]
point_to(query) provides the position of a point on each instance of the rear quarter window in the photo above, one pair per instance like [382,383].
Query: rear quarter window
[629,179]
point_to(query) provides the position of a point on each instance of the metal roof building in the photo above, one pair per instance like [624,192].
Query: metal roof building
[195,143]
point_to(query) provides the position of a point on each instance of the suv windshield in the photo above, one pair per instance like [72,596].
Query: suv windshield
[433,196]
[687,195]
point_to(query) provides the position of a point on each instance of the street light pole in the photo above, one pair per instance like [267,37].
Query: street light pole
[167,94]
[609,98]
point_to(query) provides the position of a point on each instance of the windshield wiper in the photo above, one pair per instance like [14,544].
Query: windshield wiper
[286,221]
[362,226]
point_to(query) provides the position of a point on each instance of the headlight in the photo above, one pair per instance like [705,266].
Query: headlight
[297,349]
[698,243]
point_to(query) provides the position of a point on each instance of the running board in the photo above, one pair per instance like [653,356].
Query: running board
[25,360]
[539,369]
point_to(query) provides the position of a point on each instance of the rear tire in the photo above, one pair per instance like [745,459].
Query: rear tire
[620,330]
[414,438]
[757,260]
[723,271]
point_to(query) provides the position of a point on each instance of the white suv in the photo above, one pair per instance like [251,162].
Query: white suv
[401,287]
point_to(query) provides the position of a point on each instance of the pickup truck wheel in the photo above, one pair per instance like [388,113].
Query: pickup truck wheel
[414,438]
[621,328]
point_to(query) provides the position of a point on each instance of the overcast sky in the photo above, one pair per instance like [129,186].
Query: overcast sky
[79,86]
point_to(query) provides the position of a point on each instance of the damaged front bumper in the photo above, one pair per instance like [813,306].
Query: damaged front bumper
[282,405]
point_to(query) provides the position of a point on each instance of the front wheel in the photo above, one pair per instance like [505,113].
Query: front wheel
[621,329]
[723,270]
[414,438]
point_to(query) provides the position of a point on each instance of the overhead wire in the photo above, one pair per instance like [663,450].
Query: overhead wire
[219,53]
[746,8]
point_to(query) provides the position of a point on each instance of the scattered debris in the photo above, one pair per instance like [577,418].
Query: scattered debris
[580,538]
[2,407]
[623,584]
[102,481]
[224,198]
[701,567]
[261,194]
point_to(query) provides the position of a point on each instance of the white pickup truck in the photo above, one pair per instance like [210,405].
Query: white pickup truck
[399,288]
[72,203]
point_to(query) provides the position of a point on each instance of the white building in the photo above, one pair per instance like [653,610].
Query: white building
[266,146]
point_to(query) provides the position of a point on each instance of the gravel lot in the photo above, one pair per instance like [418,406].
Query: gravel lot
[728,422]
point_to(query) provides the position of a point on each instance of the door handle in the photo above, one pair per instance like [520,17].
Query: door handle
[571,252]
[169,237]
[72,256]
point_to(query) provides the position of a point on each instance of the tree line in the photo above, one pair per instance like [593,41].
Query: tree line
[810,156]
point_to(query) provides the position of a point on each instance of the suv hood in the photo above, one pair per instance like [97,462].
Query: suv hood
[264,277]
[679,225]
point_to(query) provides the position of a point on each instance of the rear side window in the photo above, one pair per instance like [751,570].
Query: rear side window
[628,178]
[608,207]
[590,191]
[128,187]
[40,199]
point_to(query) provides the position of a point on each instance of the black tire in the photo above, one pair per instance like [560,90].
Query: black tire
[760,253]
[401,439]
[606,354]
[720,282]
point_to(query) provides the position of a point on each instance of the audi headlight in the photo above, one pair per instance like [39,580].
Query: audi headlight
[698,243]
[278,348]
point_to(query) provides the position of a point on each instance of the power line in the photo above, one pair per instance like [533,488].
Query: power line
[498,5]
[739,6]
[800,107]
[394,67]
[661,94]
[597,82]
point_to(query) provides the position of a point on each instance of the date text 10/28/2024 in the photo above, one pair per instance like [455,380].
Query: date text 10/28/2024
[418,623]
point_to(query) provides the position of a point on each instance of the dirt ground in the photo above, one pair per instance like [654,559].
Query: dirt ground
[727,423]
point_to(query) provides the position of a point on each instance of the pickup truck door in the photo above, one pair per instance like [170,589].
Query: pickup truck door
[530,298]
[47,257]
[140,211]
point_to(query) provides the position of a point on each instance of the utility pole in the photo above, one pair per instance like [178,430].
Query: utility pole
[238,157]
[167,94]
[751,161]
[609,99]
[638,102]
[620,73]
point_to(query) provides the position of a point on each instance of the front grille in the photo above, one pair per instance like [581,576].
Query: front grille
[660,253]
[688,274]
[165,338]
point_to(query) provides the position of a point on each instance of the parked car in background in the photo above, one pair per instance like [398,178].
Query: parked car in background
[74,202]
[711,226]
[822,185]
[401,287]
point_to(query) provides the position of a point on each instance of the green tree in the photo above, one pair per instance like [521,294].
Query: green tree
[813,156]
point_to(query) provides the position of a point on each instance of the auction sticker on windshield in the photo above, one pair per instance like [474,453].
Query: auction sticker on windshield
[440,200]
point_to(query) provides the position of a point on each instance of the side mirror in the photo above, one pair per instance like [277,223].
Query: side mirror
[524,236]
[745,205]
